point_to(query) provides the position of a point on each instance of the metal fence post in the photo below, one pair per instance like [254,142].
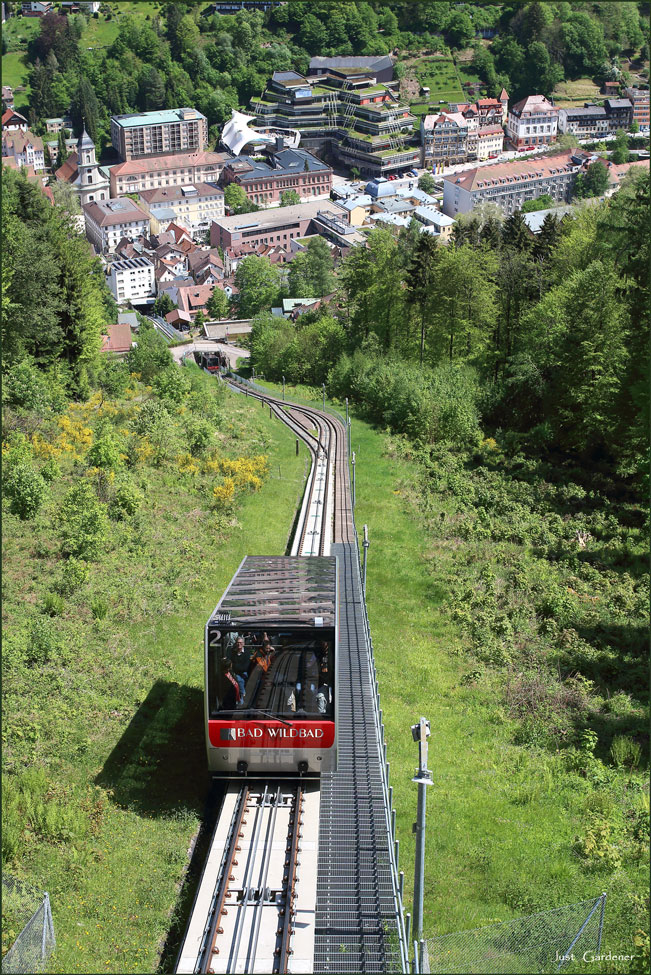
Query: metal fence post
[323,388]
[283,388]
[45,924]
[365,544]
[601,921]
[423,777]
[346,411]
[349,434]
[353,478]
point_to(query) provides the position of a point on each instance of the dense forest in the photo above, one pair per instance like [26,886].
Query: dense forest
[181,55]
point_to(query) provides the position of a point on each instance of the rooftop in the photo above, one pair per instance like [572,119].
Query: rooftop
[163,117]
[281,589]
[265,219]
[131,264]
[169,194]
[176,161]
[518,169]
[108,212]
[285,162]
[533,104]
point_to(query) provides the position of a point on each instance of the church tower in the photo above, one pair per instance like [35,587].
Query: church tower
[91,183]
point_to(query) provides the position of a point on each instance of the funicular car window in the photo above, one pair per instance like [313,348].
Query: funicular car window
[287,673]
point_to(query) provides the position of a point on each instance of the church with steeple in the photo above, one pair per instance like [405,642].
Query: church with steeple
[82,171]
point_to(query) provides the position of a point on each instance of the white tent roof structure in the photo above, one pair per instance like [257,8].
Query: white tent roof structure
[236,133]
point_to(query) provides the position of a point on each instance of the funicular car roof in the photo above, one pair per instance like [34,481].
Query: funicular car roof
[281,591]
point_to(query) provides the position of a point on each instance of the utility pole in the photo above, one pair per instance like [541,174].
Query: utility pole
[423,777]
[365,545]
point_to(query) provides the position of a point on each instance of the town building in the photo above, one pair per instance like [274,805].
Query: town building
[490,141]
[511,184]
[177,170]
[13,121]
[119,339]
[275,226]
[53,149]
[190,299]
[234,5]
[640,101]
[7,96]
[74,6]
[36,9]
[610,88]
[346,112]
[435,222]
[108,221]
[591,121]
[620,114]
[444,139]
[176,130]
[206,266]
[264,180]
[58,124]
[195,205]
[82,171]
[380,66]
[533,121]
[25,148]
[132,280]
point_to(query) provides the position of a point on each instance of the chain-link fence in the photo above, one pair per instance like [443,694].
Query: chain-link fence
[565,938]
[27,921]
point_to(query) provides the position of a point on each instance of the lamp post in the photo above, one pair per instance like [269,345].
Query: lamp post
[423,777]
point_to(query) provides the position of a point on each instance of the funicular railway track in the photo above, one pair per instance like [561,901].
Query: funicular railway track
[245,914]
[270,898]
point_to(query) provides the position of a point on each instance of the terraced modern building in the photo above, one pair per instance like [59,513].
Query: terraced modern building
[345,113]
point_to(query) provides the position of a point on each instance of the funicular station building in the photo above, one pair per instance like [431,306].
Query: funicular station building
[344,112]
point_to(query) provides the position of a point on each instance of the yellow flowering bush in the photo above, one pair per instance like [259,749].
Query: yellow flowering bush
[187,464]
[224,493]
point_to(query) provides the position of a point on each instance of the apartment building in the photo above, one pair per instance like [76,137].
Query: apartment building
[282,169]
[344,111]
[108,221]
[511,184]
[640,101]
[445,139]
[132,280]
[533,121]
[194,206]
[277,226]
[620,114]
[176,130]
[24,148]
[490,141]
[182,170]
[588,122]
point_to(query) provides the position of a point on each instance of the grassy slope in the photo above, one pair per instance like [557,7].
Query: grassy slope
[502,819]
[128,753]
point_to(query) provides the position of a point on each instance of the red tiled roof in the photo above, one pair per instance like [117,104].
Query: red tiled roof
[10,114]
[118,338]
[491,175]
[159,163]
[68,172]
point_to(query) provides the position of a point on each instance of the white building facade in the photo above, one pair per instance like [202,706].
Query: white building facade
[132,280]
[108,221]
[533,121]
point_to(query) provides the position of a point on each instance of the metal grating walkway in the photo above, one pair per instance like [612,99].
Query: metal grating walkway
[356,907]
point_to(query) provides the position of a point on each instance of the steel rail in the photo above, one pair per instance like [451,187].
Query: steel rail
[291,865]
[235,947]
[218,908]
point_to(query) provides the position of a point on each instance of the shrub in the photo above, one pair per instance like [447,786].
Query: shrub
[199,434]
[104,453]
[43,643]
[24,387]
[50,470]
[26,490]
[172,385]
[74,575]
[53,604]
[150,415]
[83,522]
[99,608]
[125,502]
[624,751]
